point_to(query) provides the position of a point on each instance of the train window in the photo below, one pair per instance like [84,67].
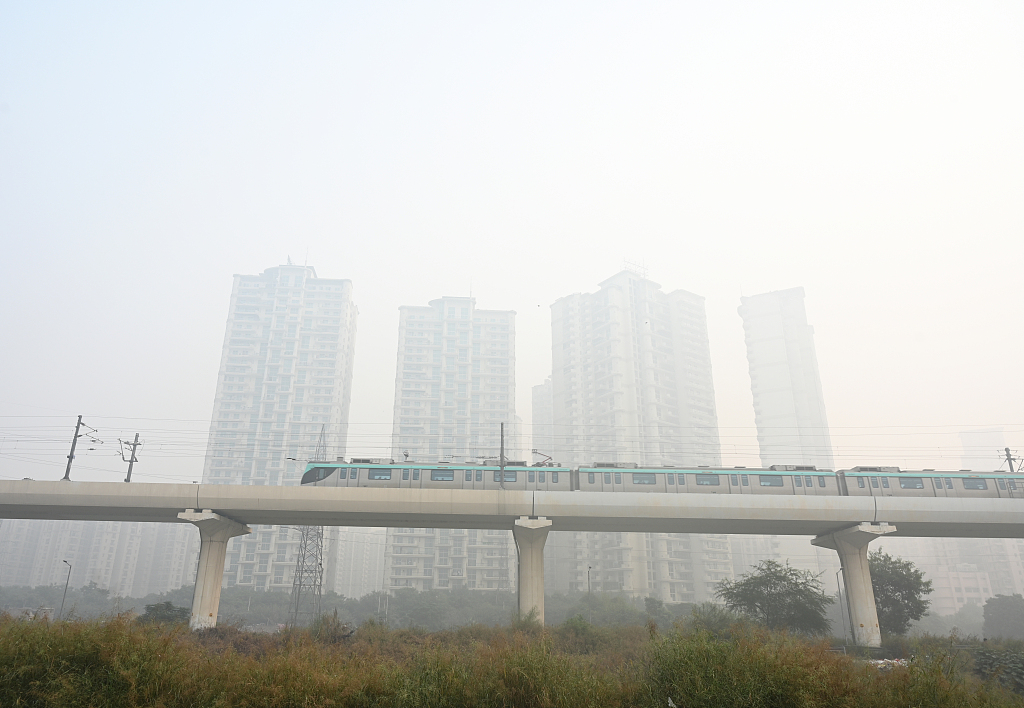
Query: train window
[670,477]
[949,483]
[797,481]
[734,479]
[378,474]
[821,481]
[682,478]
[607,477]
[542,477]
[860,482]
[874,482]
[1011,484]
[469,475]
[1002,484]
[509,476]
[590,477]
[618,478]
[744,478]
[554,477]
[442,475]
[644,478]
[770,480]
[479,475]
[405,475]
[415,474]
[885,482]
[911,483]
[708,480]
[531,476]
[975,483]
[809,482]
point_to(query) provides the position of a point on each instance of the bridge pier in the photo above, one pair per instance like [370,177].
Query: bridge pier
[530,536]
[852,546]
[214,533]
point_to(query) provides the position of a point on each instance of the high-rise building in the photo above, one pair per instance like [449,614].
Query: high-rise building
[454,387]
[542,433]
[789,409]
[285,376]
[128,559]
[631,384]
[455,383]
[631,376]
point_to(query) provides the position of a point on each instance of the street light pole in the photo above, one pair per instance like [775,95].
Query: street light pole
[61,615]
[590,597]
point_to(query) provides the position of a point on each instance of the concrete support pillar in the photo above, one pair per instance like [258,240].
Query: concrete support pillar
[530,535]
[214,532]
[852,546]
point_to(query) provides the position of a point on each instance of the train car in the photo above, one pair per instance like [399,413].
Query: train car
[963,484]
[777,479]
[412,475]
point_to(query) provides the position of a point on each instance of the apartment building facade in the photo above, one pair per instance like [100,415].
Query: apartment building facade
[631,385]
[454,389]
[283,385]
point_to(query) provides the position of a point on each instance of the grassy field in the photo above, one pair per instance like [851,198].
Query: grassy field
[121,662]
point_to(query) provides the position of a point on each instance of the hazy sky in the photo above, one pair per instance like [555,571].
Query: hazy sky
[870,152]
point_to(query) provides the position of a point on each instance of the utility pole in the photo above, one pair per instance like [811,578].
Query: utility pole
[1010,459]
[132,460]
[71,455]
[501,458]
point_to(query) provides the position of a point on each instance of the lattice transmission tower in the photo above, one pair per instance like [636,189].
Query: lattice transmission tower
[307,587]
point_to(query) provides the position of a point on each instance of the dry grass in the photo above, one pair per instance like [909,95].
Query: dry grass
[122,663]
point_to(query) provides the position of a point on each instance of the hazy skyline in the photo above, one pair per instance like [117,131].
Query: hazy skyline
[869,154]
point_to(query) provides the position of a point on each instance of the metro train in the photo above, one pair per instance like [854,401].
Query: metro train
[776,479]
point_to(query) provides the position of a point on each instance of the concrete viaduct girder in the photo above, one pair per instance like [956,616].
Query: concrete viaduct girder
[529,515]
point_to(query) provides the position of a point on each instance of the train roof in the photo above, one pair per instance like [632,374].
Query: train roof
[773,470]
[876,471]
[432,465]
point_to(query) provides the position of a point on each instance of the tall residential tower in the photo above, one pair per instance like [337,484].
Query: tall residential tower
[455,386]
[285,375]
[631,385]
[789,408]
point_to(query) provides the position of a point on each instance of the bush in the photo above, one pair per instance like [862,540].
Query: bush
[121,663]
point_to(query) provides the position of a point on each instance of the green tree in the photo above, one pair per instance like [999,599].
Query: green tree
[899,592]
[1004,617]
[165,612]
[779,597]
